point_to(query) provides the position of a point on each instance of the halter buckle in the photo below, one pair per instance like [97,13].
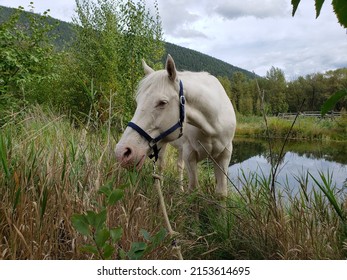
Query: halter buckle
[182,100]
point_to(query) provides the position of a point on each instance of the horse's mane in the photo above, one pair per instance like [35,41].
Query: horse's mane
[156,80]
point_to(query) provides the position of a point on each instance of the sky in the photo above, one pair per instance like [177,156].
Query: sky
[251,34]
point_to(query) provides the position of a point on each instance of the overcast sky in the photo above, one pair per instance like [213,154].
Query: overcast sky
[251,34]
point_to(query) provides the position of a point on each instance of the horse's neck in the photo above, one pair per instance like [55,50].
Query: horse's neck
[201,109]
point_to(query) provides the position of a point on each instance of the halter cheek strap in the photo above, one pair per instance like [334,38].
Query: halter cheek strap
[179,125]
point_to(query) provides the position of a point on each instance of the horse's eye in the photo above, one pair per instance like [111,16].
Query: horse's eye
[161,103]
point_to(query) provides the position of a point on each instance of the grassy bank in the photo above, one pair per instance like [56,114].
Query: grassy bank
[51,170]
[304,128]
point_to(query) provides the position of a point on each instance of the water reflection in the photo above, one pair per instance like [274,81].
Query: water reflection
[253,156]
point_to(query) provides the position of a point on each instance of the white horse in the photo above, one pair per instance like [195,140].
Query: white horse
[205,115]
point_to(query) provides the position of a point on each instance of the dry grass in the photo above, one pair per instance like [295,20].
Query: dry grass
[50,170]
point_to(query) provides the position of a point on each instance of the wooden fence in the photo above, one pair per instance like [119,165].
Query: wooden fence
[312,114]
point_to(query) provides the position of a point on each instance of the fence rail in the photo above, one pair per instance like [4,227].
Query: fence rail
[314,114]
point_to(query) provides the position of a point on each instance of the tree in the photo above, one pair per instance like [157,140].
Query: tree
[27,60]
[226,85]
[295,94]
[238,83]
[26,53]
[275,87]
[112,38]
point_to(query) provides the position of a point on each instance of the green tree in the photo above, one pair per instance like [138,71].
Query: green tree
[295,93]
[26,53]
[275,87]
[254,93]
[226,85]
[315,91]
[238,83]
[27,60]
[112,38]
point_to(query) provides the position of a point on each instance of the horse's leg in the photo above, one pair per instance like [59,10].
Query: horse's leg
[190,159]
[179,145]
[220,170]
[180,166]
[161,159]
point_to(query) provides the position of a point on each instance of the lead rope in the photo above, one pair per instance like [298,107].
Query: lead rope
[157,183]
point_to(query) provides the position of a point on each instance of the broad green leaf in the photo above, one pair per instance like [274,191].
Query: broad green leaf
[156,240]
[318,4]
[116,234]
[80,223]
[100,219]
[331,102]
[159,237]
[91,217]
[122,254]
[108,251]
[89,249]
[137,250]
[101,236]
[104,190]
[295,4]
[340,9]
[146,235]
[115,196]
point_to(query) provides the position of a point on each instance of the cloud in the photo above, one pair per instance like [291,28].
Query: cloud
[63,9]
[177,13]
[186,32]
[233,9]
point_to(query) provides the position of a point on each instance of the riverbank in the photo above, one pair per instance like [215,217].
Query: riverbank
[309,128]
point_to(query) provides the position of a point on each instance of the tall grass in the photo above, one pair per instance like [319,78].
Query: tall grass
[51,170]
[300,226]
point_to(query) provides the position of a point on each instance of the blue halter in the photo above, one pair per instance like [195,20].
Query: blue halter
[153,141]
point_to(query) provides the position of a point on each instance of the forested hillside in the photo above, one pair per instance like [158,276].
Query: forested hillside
[62,34]
[99,60]
[186,59]
[191,60]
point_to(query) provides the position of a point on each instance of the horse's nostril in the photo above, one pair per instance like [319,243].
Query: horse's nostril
[127,152]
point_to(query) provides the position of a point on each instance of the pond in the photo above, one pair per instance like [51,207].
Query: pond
[252,156]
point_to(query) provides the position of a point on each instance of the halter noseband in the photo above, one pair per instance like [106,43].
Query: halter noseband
[153,141]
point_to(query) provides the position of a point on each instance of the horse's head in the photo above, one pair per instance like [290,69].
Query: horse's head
[158,110]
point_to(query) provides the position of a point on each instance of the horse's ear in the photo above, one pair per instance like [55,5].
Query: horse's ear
[171,68]
[148,70]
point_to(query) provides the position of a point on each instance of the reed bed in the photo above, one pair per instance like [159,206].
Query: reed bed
[51,169]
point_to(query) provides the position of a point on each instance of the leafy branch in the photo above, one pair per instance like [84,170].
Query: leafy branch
[102,240]
[340,9]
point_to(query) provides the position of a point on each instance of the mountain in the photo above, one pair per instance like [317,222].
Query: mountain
[186,59]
